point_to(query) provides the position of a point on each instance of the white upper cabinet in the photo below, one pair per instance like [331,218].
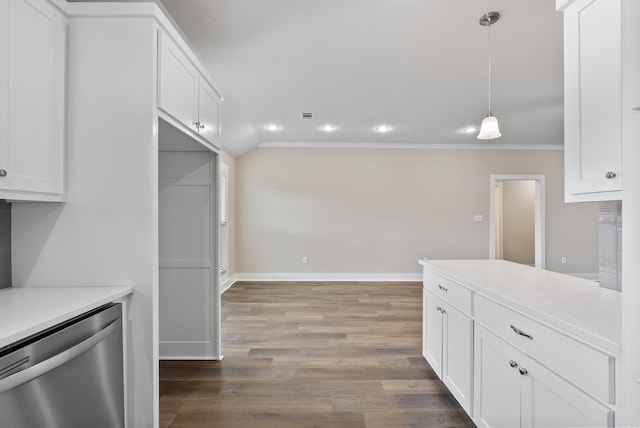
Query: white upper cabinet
[185,95]
[32,100]
[209,113]
[178,80]
[593,100]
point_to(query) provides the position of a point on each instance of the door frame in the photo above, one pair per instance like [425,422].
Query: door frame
[539,214]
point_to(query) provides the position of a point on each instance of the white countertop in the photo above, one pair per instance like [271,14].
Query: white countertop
[573,305]
[28,310]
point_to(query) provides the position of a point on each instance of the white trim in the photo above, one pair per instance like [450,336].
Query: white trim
[329,277]
[539,215]
[336,145]
[227,283]
[500,250]
[190,358]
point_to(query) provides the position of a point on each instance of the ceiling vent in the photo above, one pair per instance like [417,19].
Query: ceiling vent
[307,115]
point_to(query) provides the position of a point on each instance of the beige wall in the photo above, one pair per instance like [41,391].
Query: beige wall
[518,222]
[380,210]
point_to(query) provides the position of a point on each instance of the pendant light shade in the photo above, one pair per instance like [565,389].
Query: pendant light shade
[489,128]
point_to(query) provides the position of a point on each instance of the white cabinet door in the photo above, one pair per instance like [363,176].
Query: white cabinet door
[513,390]
[32,117]
[457,355]
[178,84]
[209,113]
[593,128]
[448,346]
[432,331]
[496,381]
[549,401]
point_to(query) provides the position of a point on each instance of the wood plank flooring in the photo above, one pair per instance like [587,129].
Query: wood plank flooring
[310,354]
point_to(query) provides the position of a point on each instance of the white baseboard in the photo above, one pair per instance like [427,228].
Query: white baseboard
[329,277]
[190,358]
[227,283]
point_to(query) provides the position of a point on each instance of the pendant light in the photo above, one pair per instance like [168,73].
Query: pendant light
[489,128]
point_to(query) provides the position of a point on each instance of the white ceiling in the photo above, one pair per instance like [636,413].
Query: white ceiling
[418,65]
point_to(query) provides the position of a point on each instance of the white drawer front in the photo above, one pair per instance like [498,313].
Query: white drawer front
[591,370]
[452,293]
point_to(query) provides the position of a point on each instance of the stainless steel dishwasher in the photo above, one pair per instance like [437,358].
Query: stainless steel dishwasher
[68,376]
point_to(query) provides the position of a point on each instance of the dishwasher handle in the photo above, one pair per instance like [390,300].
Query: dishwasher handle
[57,360]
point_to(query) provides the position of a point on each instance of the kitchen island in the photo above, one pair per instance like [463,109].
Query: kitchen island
[520,346]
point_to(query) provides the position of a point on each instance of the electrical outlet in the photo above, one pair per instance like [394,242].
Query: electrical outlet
[563,260]
[477,217]
[305,260]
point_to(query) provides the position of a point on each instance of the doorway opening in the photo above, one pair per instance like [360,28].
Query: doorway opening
[517,219]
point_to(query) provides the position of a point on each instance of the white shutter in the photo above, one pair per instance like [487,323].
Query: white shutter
[224,223]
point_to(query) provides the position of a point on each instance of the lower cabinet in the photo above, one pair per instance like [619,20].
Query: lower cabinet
[513,390]
[448,346]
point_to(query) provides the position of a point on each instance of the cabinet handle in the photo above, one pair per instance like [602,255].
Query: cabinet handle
[3,172]
[523,372]
[516,330]
[201,126]
[637,108]
[438,308]
[442,288]
[513,364]
[444,312]
[610,175]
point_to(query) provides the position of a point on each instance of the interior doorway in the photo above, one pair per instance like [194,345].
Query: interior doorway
[517,219]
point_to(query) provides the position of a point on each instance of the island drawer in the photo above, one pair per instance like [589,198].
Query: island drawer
[589,369]
[449,291]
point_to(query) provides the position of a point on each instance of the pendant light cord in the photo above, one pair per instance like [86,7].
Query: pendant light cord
[489,26]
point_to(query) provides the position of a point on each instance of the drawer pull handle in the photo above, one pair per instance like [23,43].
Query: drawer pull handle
[523,372]
[610,175]
[516,330]
[442,288]
[513,364]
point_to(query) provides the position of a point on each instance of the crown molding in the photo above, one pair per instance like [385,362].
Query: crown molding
[482,146]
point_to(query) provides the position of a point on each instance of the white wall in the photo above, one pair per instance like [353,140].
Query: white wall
[106,234]
[377,211]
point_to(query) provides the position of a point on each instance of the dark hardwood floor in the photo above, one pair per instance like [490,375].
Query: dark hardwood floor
[309,354]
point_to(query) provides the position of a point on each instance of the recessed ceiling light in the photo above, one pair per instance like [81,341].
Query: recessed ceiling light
[470,129]
[382,128]
[272,127]
[328,127]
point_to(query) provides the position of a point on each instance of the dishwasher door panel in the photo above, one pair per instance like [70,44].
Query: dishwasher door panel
[70,376]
